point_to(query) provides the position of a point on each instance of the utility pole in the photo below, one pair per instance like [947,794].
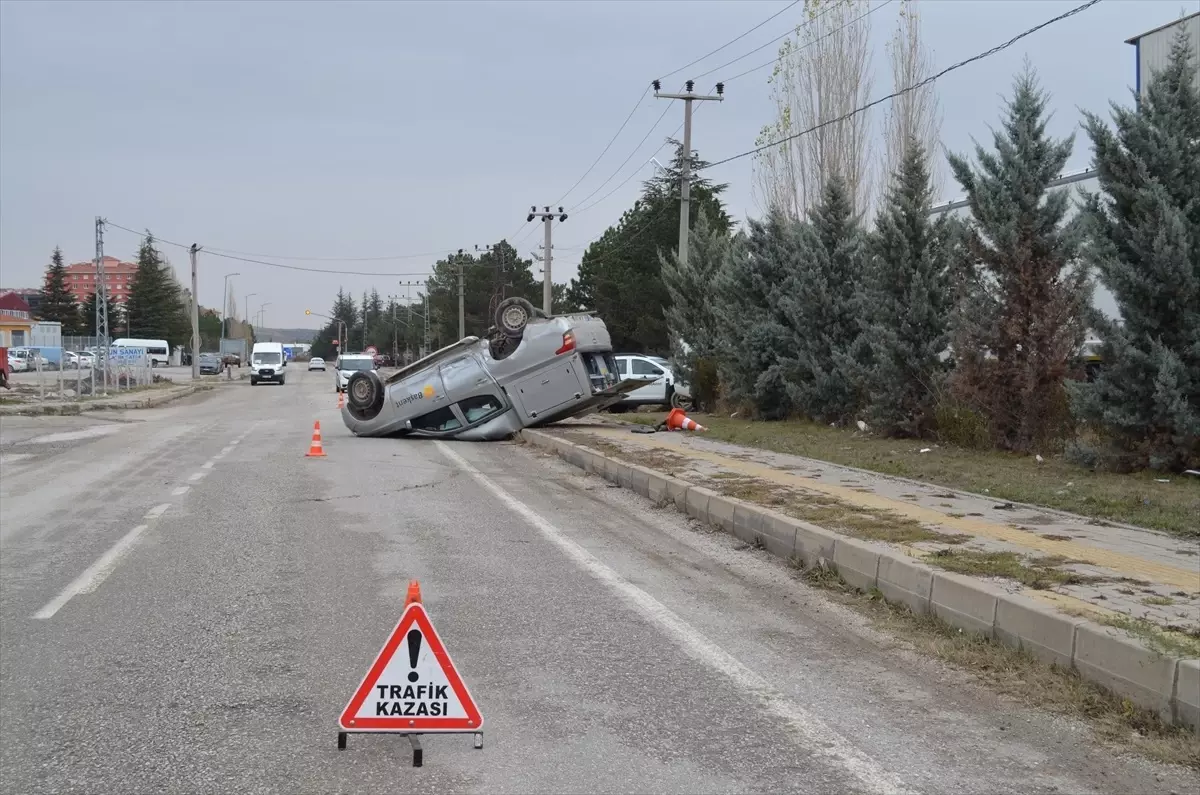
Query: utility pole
[462,312]
[425,317]
[685,174]
[547,284]
[102,339]
[195,317]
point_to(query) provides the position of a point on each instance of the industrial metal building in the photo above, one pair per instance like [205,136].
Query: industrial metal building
[1154,46]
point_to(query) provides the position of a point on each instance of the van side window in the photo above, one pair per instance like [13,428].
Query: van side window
[643,367]
[157,351]
[442,419]
[479,407]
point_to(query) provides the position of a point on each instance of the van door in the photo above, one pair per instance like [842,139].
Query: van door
[547,389]
[464,377]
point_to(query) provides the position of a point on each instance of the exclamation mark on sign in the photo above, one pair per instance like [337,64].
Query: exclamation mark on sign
[414,649]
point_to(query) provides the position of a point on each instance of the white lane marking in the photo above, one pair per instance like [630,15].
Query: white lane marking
[93,575]
[227,449]
[196,476]
[180,491]
[816,735]
[157,511]
[207,465]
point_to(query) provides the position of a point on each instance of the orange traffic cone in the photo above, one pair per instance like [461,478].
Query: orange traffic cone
[315,450]
[341,399]
[677,420]
[414,593]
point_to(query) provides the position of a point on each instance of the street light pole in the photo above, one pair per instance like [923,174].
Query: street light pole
[195,316]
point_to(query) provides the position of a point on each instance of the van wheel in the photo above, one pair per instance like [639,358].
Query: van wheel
[253,382]
[678,401]
[512,315]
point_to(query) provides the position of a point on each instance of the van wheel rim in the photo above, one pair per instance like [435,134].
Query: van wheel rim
[361,392]
[514,317]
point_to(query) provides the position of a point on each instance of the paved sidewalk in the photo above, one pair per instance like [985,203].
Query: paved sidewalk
[1117,573]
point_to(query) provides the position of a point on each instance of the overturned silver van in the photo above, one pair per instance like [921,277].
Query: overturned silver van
[531,370]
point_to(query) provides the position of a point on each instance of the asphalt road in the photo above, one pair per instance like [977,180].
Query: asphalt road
[187,603]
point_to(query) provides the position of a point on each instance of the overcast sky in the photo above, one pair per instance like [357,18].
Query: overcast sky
[385,129]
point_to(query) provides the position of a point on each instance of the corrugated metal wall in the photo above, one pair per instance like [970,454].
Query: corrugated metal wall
[1154,48]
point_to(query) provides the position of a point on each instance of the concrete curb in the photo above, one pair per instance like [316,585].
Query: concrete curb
[1165,684]
[139,401]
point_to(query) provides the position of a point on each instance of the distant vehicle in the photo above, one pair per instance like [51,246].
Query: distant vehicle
[86,358]
[158,351]
[532,370]
[21,360]
[210,364]
[660,385]
[316,363]
[267,363]
[347,365]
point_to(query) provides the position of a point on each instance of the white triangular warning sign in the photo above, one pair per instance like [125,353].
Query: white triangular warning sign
[412,686]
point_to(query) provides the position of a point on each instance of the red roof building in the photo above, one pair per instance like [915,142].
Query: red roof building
[11,303]
[118,277]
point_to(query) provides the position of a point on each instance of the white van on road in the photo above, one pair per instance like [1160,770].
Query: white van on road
[267,363]
[157,351]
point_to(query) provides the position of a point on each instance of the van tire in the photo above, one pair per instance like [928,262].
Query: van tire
[512,315]
[364,395]
[253,382]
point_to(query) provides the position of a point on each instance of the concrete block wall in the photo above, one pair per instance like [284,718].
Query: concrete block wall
[1165,684]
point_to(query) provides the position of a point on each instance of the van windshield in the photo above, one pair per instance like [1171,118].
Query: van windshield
[357,364]
[267,358]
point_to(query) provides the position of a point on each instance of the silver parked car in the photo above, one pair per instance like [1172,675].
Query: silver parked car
[531,370]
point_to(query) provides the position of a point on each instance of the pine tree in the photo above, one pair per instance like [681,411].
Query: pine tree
[58,304]
[619,275]
[821,300]
[155,307]
[909,301]
[751,338]
[690,314]
[1023,294]
[1144,242]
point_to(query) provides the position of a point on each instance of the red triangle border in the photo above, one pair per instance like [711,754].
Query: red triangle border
[413,614]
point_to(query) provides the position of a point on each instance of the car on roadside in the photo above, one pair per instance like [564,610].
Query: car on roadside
[532,369]
[659,384]
[316,363]
[347,364]
[210,364]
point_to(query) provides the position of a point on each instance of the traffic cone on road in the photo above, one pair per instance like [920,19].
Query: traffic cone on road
[414,593]
[341,399]
[315,450]
[677,420]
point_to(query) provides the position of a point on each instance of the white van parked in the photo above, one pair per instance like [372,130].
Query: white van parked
[157,351]
[267,362]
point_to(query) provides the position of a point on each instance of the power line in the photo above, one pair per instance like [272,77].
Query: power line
[634,173]
[254,261]
[908,89]
[776,59]
[611,141]
[641,99]
[732,41]
[764,46]
[617,170]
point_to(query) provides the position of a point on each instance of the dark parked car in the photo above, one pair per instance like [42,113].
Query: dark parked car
[210,364]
